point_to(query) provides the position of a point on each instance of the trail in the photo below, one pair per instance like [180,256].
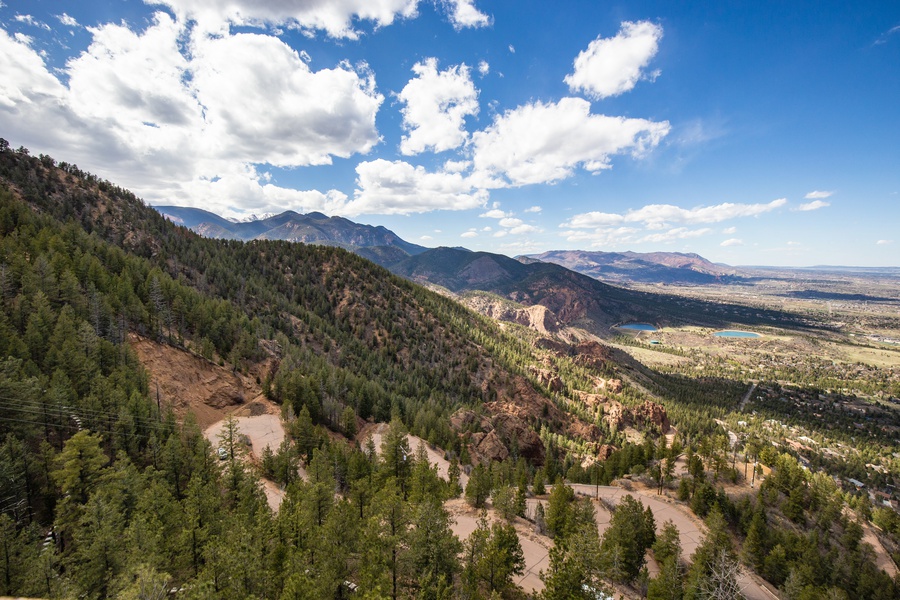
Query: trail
[746,398]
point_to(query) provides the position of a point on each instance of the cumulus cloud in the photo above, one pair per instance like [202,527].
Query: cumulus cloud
[732,242]
[814,205]
[533,209]
[516,226]
[729,230]
[334,17]
[817,195]
[464,14]
[655,223]
[484,68]
[654,214]
[495,213]
[436,105]
[543,143]
[884,242]
[469,234]
[612,66]
[385,187]
[167,109]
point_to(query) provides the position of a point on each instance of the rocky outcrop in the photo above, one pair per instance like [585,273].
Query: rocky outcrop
[548,379]
[488,447]
[592,354]
[519,437]
[648,415]
[605,451]
[535,317]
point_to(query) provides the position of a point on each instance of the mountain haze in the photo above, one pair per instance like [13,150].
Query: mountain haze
[639,267]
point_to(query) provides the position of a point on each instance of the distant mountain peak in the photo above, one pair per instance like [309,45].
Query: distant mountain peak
[250,218]
[312,228]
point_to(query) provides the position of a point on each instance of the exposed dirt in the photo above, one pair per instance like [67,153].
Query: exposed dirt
[376,431]
[191,384]
[535,547]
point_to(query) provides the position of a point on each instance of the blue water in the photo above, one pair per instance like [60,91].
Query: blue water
[639,326]
[736,334]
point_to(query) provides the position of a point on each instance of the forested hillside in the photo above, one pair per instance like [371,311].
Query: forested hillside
[105,493]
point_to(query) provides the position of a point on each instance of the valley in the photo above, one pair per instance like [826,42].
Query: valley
[385,406]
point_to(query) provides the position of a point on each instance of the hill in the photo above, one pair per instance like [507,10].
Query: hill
[649,267]
[575,299]
[312,228]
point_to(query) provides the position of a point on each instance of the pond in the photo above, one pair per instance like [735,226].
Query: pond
[638,326]
[736,334]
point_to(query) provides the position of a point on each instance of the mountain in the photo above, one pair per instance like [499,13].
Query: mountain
[575,299]
[639,267]
[312,228]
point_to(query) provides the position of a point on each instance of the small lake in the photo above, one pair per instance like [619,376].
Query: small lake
[639,326]
[736,334]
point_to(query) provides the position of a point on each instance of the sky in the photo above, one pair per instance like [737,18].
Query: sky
[751,133]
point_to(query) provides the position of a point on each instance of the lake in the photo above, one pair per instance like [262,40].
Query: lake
[639,326]
[736,334]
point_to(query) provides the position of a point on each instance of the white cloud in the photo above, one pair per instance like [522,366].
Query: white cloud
[512,49]
[398,187]
[464,14]
[817,195]
[678,233]
[29,20]
[67,20]
[612,66]
[543,143]
[469,234]
[335,17]
[668,213]
[613,236]
[814,205]
[732,242]
[425,238]
[884,242]
[610,229]
[495,213]
[436,105]
[168,110]
[533,209]
[729,230]
[484,68]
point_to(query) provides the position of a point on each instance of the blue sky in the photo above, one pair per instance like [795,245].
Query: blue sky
[749,132]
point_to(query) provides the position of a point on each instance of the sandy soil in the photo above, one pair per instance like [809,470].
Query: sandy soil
[882,558]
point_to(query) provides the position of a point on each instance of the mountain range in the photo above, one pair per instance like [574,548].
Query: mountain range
[312,228]
[569,284]
[386,248]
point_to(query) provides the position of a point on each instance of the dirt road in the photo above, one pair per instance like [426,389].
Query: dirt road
[435,455]
[691,531]
[263,430]
[535,548]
